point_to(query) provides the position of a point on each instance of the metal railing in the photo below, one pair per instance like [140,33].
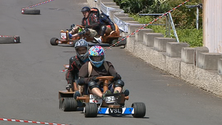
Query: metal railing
[169,23]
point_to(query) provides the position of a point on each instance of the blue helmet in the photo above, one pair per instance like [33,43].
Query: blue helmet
[96,55]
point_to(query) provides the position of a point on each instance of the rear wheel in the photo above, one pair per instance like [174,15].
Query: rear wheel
[53,41]
[60,103]
[32,11]
[91,110]
[7,40]
[69,104]
[139,109]
[114,41]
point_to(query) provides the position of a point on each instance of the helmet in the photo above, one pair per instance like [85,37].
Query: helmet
[94,52]
[82,43]
[85,9]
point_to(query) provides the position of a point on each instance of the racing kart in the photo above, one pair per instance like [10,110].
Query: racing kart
[64,38]
[92,105]
[107,40]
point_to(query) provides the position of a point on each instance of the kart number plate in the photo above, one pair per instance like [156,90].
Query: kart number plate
[115,111]
[63,35]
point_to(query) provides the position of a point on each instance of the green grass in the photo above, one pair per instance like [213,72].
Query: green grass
[191,36]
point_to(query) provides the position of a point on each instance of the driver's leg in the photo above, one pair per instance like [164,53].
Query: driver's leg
[94,88]
[97,92]
[102,30]
[118,89]
[118,86]
[74,30]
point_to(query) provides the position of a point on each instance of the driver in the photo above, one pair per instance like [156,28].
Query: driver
[75,63]
[100,67]
[90,23]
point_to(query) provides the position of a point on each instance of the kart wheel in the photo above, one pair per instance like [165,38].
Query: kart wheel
[60,103]
[91,110]
[122,42]
[53,41]
[69,104]
[139,109]
[32,11]
[9,40]
[17,39]
[114,42]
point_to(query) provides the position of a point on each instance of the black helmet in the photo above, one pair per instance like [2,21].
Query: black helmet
[82,43]
[85,9]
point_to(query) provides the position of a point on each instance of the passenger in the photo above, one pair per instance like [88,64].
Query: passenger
[75,63]
[107,26]
[99,67]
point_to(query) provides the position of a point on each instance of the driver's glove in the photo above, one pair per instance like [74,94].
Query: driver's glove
[94,79]
[70,36]
[68,86]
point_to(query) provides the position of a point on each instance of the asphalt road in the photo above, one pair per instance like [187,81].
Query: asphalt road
[30,76]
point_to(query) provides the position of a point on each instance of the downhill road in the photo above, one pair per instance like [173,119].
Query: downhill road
[30,76]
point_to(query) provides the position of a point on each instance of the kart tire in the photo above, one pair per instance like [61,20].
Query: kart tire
[114,41]
[122,42]
[31,11]
[53,41]
[139,109]
[60,103]
[69,104]
[91,110]
[17,39]
[9,40]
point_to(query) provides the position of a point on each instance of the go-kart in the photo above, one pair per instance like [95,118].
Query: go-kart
[66,100]
[107,40]
[64,38]
[93,105]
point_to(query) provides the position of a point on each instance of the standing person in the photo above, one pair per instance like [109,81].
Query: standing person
[100,67]
[75,63]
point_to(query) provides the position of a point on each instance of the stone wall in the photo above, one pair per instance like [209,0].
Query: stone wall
[194,65]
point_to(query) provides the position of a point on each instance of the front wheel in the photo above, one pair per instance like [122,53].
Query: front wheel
[91,110]
[53,41]
[139,109]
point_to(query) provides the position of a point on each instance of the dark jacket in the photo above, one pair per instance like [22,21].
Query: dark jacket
[101,71]
[74,66]
[105,20]
[92,21]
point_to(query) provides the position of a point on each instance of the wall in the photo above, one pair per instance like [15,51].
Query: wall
[197,66]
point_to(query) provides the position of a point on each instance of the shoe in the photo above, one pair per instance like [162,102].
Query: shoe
[68,87]
[126,92]
[116,92]
[98,39]
[76,94]
[105,94]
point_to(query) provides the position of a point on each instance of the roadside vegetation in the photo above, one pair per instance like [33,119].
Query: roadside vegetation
[184,18]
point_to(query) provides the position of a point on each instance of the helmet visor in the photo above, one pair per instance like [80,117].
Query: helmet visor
[97,58]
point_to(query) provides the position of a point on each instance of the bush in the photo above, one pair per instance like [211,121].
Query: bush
[184,18]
